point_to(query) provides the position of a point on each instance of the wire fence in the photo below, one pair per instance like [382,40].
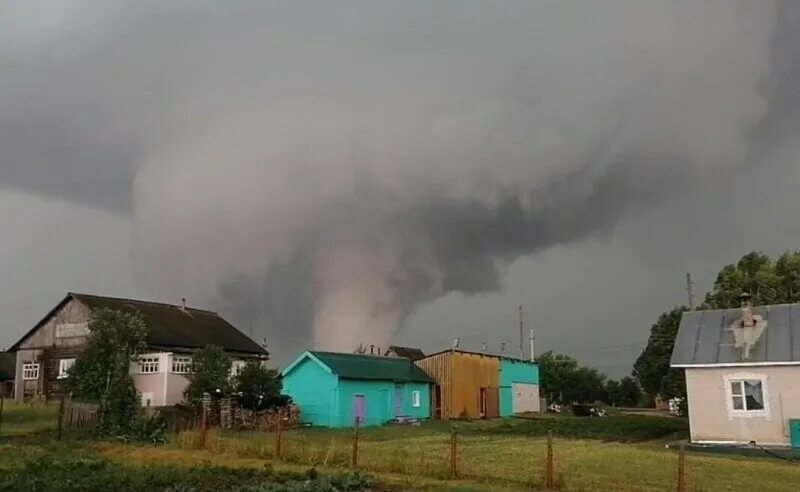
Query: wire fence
[525,462]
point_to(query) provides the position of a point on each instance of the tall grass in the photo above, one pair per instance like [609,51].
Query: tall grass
[28,418]
[491,455]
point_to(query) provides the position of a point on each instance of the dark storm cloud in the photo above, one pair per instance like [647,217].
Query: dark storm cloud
[337,165]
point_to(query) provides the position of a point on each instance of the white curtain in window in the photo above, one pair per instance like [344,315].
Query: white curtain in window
[754,395]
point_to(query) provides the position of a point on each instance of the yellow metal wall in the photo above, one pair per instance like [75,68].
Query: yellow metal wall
[461,376]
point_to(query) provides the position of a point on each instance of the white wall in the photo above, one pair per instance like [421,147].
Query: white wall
[712,418]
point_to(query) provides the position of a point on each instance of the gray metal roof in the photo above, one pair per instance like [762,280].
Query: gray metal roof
[705,338]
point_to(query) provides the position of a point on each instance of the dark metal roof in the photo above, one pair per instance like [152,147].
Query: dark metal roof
[705,338]
[169,325]
[407,352]
[357,366]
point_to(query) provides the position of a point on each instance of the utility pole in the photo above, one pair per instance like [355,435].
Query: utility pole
[689,291]
[521,334]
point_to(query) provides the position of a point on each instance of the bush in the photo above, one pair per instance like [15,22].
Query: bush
[260,388]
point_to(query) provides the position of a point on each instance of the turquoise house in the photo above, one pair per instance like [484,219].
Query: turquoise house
[334,389]
[519,386]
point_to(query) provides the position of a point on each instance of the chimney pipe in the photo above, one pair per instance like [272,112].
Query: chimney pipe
[455,343]
[533,356]
[183,303]
[483,348]
[747,309]
[502,347]
[372,350]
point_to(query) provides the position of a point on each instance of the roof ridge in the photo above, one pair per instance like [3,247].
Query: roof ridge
[346,354]
[142,301]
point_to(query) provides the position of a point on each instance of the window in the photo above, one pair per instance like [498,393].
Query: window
[148,364]
[415,399]
[237,366]
[747,395]
[30,370]
[64,365]
[181,364]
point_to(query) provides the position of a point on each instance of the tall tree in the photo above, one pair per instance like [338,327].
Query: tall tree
[210,372]
[768,281]
[652,365]
[102,370]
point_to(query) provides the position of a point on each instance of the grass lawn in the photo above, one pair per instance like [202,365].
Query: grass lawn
[27,418]
[625,453]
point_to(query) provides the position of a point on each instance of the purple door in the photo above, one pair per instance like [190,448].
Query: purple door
[398,400]
[359,408]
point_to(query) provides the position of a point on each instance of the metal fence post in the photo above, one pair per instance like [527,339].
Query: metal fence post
[453,453]
[681,469]
[550,472]
[2,401]
[355,443]
[278,436]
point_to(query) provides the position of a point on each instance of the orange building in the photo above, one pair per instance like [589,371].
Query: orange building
[467,384]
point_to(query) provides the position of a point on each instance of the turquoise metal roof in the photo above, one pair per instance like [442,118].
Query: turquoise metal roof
[357,366]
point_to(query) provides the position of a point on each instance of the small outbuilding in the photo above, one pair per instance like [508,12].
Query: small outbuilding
[479,385]
[334,389]
[742,373]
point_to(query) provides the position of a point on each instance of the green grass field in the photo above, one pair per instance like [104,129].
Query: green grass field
[620,453]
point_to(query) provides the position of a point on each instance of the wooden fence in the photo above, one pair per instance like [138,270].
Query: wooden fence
[77,415]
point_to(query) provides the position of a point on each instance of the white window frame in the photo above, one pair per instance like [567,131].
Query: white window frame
[416,399]
[181,364]
[740,377]
[149,364]
[64,365]
[30,371]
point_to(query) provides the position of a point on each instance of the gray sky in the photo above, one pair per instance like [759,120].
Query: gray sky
[368,172]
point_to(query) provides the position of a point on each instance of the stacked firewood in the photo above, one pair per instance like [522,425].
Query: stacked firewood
[287,416]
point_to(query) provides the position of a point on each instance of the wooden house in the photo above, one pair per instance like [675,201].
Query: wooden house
[47,351]
[334,389]
[480,386]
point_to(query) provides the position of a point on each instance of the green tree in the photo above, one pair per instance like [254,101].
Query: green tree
[652,365]
[102,371]
[768,281]
[259,387]
[210,372]
[623,393]
[563,380]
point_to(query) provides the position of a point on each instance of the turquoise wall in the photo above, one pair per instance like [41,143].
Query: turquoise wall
[326,400]
[313,389]
[424,409]
[514,371]
[379,399]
